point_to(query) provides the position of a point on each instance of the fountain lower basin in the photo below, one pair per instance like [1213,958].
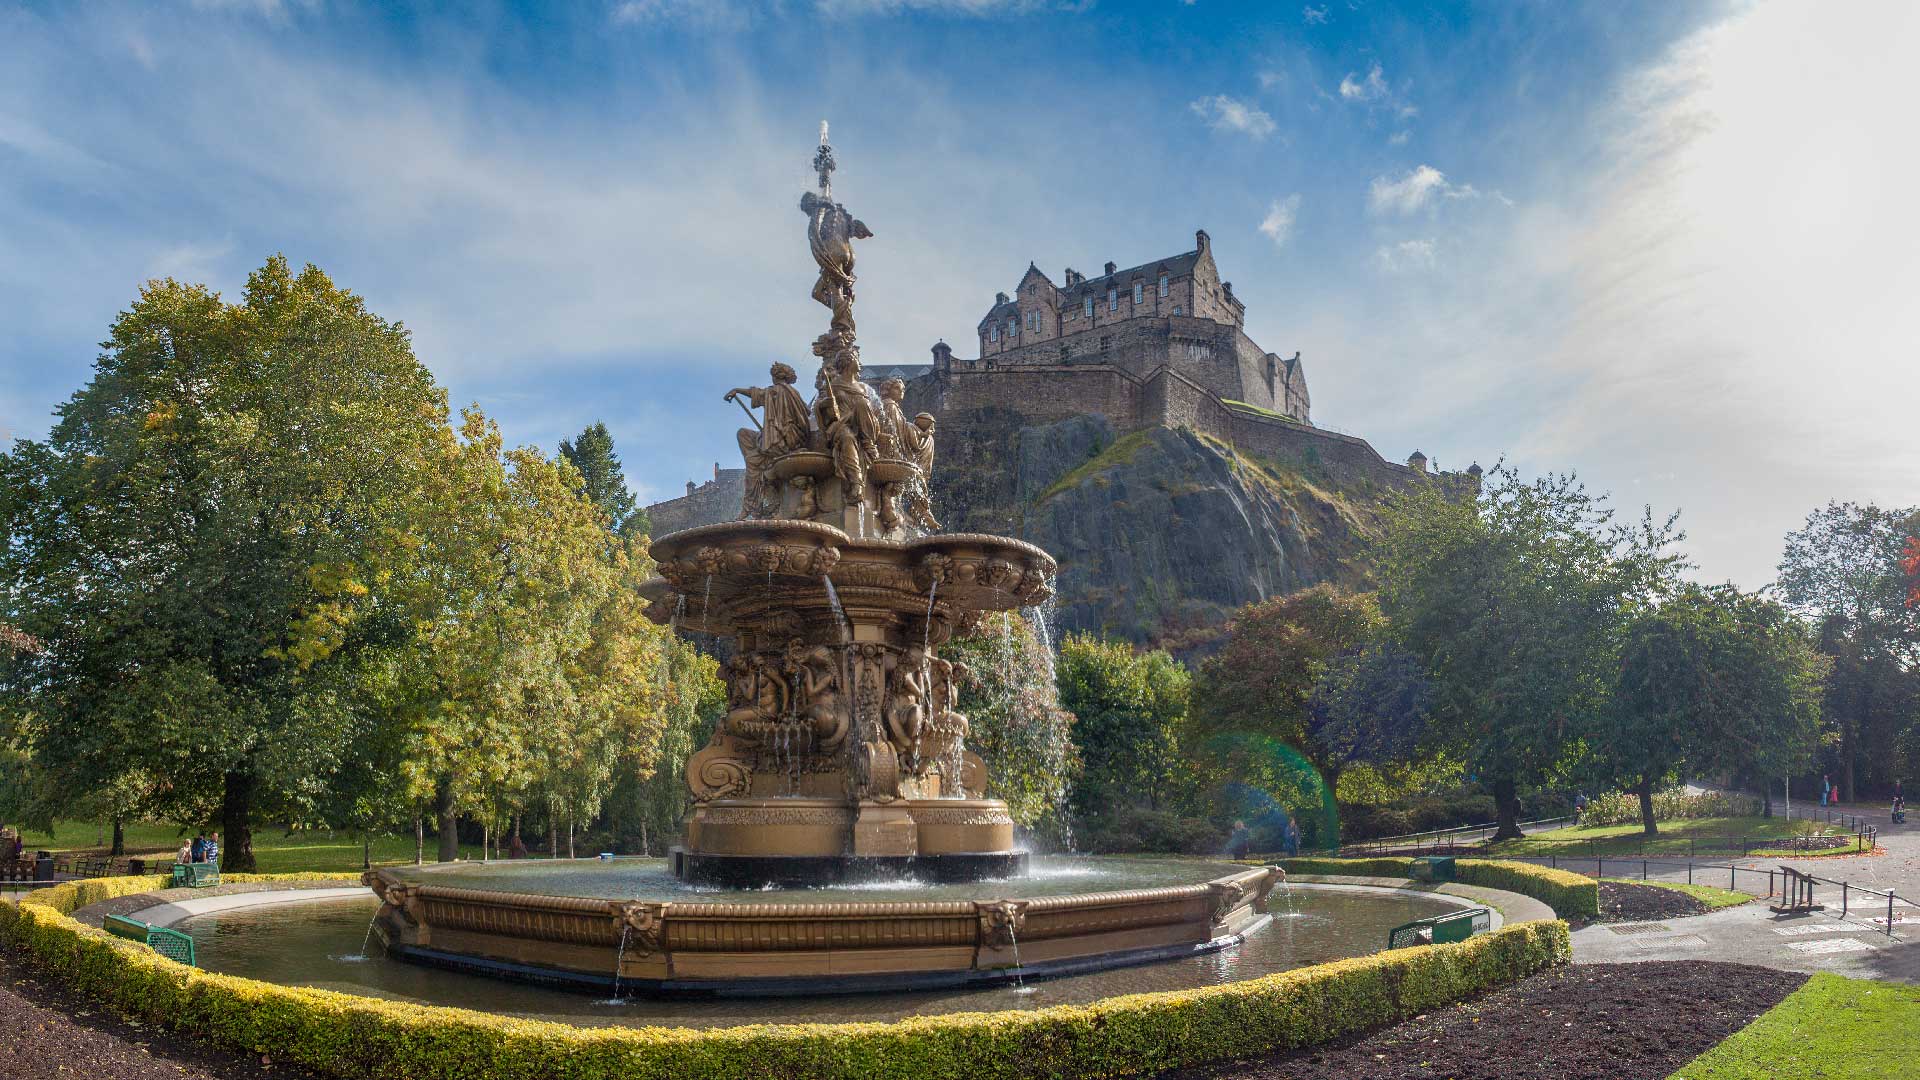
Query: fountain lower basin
[701,942]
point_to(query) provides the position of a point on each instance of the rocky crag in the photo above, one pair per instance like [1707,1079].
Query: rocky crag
[1161,532]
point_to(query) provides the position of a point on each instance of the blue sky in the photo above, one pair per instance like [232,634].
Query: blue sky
[1671,246]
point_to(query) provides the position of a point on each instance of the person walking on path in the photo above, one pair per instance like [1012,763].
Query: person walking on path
[1825,788]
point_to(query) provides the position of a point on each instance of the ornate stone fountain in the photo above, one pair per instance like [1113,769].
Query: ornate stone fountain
[841,755]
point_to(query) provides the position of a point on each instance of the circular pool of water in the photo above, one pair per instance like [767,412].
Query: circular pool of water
[319,943]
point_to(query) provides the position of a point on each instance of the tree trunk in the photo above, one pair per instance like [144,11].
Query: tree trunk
[236,820]
[1506,801]
[553,838]
[449,822]
[570,853]
[1645,791]
[119,838]
[646,845]
[1849,740]
[514,844]
[419,840]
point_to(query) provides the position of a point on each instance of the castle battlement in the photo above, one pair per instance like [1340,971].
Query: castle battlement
[1173,313]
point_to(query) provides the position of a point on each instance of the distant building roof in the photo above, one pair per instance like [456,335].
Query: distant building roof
[877,372]
[1173,266]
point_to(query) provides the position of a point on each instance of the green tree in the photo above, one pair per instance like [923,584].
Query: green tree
[1015,721]
[1710,678]
[603,482]
[533,674]
[1514,602]
[197,542]
[1841,572]
[1128,709]
[1266,681]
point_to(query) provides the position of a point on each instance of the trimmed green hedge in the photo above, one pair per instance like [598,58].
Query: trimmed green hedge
[1567,893]
[347,1035]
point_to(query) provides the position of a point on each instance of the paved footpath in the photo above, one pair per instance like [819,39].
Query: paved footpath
[1857,945]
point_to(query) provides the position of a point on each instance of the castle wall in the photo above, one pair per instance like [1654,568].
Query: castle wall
[714,501]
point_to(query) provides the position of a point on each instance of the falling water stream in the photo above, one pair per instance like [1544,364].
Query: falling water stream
[619,961]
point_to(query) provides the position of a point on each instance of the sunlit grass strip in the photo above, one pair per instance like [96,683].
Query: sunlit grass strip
[1567,893]
[349,1035]
[1833,1028]
[1715,899]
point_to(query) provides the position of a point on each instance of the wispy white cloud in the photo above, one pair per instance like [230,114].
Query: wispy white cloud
[1314,16]
[1399,138]
[1277,226]
[1372,87]
[1414,191]
[1223,113]
[1405,256]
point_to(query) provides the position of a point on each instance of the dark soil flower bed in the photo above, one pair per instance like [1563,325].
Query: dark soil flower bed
[1622,901]
[1580,1022]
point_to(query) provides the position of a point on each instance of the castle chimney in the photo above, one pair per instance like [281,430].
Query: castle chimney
[1201,241]
[942,355]
[999,298]
[1227,287]
[1110,269]
[1418,462]
[716,471]
[689,487]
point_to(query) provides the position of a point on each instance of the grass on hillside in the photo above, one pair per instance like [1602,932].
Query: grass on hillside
[1833,1028]
[1715,899]
[275,850]
[1705,836]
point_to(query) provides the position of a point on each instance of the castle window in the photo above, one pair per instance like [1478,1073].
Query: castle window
[1176,309]
[1089,305]
[1113,299]
[1139,292]
[1011,328]
[993,332]
[1163,285]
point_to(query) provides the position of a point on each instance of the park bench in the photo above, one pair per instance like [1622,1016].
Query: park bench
[171,944]
[1441,929]
[197,875]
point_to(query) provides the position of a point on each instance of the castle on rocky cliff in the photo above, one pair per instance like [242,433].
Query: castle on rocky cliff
[1161,344]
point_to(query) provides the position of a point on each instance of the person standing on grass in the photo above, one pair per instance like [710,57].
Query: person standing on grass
[198,849]
[1825,787]
[211,852]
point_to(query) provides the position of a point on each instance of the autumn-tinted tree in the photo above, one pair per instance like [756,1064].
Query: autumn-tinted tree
[603,481]
[1311,670]
[197,544]
[1514,600]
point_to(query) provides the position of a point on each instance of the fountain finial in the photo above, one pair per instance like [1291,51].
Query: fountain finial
[823,161]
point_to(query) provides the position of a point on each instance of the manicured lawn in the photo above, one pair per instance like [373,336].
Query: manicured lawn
[1707,836]
[274,849]
[1833,1028]
[1715,899]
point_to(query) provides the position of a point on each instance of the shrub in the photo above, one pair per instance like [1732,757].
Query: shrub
[346,1035]
[1136,829]
[1568,894]
[1623,808]
[1429,813]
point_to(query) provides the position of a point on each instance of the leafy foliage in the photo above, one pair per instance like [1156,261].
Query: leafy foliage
[1016,722]
[1713,680]
[1129,709]
[603,482]
[1514,601]
[197,544]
